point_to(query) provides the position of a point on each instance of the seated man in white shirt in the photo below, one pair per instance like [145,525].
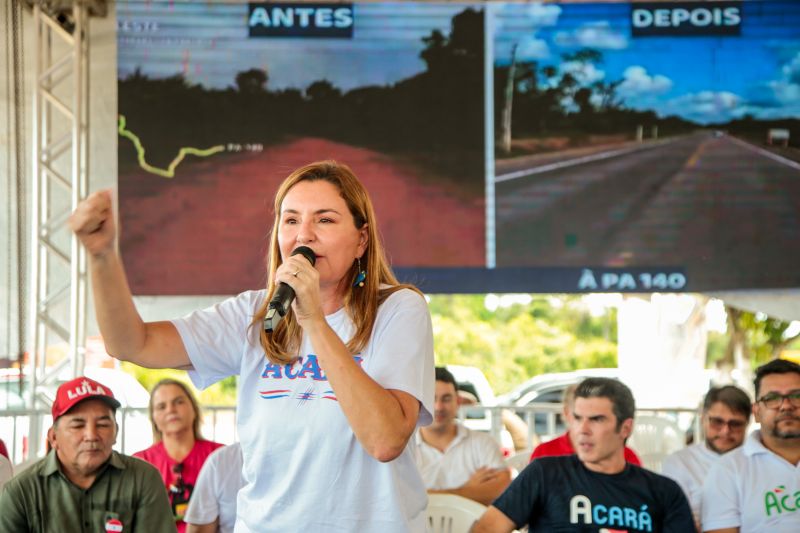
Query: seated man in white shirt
[212,507]
[756,487]
[726,412]
[454,459]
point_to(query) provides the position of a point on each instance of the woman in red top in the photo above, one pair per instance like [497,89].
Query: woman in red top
[179,450]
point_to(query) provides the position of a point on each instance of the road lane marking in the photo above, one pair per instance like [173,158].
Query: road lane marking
[767,153]
[577,161]
[695,157]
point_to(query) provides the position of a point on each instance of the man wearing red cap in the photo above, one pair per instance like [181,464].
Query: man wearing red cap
[82,484]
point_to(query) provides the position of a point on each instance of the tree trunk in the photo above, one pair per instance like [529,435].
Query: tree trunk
[737,353]
[509,99]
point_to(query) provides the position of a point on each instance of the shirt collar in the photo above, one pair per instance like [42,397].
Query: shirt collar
[52,465]
[703,449]
[116,461]
[753,445]
[461,434]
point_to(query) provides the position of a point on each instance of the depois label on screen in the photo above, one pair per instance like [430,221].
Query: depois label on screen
[686,18]
[266,19]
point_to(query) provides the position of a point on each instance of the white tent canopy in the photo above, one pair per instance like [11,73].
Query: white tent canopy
[778,303]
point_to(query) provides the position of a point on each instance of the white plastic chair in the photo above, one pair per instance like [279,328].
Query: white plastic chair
[654,438]
[518,461]
[448,513]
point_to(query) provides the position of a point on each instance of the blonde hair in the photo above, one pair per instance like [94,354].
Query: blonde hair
[198,414]
[361,303]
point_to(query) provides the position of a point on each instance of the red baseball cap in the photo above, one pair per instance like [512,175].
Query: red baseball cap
[79,389]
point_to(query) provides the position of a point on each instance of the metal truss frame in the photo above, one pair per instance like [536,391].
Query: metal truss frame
[60,180]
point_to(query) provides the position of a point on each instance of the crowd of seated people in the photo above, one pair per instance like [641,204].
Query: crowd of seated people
[756,487]
[596,487]
[82,484]
[724,419]
[729,481]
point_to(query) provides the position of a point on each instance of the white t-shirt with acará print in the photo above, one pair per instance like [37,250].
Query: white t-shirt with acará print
[304,469]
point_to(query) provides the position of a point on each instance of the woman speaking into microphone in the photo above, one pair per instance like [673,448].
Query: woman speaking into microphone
[329,398]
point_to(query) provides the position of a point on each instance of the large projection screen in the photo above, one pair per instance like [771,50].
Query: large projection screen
[508,147]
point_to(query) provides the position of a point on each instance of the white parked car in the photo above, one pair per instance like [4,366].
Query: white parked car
[549,388]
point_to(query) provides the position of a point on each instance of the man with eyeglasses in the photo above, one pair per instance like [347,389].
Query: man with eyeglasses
[756,488]
[726,412]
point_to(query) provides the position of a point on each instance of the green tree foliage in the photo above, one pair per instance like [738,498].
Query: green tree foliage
[219,394]
[510,344]
[518,342]
[322,90]
[253,81]
[756,336]
[560,100]
[715,348]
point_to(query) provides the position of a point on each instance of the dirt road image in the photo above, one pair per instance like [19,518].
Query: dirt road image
[205,231]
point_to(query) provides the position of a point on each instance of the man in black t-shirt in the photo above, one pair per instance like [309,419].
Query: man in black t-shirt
[595,490]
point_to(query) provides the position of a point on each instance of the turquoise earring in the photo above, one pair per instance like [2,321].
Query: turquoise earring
[361,276]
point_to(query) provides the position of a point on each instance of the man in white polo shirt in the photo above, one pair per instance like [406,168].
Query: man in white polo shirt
[726,411]
[456,460]
[756,488]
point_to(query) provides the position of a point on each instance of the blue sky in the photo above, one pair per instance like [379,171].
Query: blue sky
[705,79]
[208,42]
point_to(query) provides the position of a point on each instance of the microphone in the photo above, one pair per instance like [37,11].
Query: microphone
[283,296]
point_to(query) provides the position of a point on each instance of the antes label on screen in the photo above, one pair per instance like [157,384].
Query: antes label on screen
[686,18]
[266,19]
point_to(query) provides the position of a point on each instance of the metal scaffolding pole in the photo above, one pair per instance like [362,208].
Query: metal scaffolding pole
[60,181]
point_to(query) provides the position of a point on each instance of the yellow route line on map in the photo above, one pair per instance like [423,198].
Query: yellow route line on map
[169,172]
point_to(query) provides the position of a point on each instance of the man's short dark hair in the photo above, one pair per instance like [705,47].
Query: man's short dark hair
[621,397]
[776,366]
[731,396]
[442,374]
